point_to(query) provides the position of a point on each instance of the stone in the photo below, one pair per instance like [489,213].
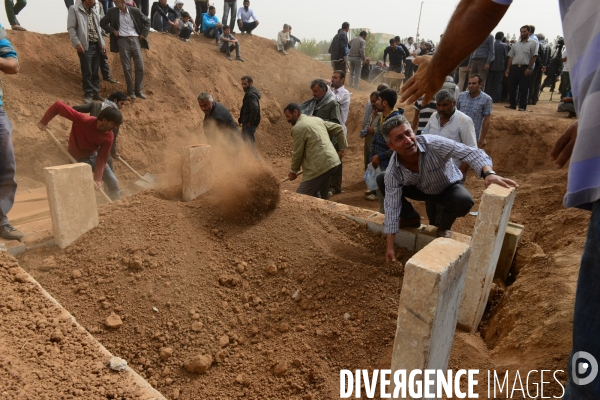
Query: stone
[271,269]
[196,166]
[488,235]
[428,234]
[57,336]
[166,353]
[197,326]
[429,301]
[280,369]
[198,364]
[220,356]
[113,321]
[512,237]
[406,238]
[223,341]
[72,201]
[76,274]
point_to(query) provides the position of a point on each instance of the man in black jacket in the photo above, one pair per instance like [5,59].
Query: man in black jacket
[250,113]
[339,48]
[163,17]
[216,118]
[128,29]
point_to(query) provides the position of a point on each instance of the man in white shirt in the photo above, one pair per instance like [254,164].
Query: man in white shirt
[409,68]
[343,97]
[244,16]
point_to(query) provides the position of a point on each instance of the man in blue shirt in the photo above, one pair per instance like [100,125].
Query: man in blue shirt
[397,56]
[211,26]
[9,64]
[477,105]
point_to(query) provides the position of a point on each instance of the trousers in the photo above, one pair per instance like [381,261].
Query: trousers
[90,64]
[201,8]
[229,7]
[317,187]
[494,85]
[12,10]
[355,69]
[477,67]
[129,47]
[8,168]
[517,79]
[109,178]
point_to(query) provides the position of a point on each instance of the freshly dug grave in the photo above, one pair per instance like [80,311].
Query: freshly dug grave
[271,310]
[44,355]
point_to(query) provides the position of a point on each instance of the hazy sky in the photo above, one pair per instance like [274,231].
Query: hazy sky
[321,19]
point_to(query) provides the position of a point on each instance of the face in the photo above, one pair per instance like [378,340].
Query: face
[286,29]
[246,85]
[393,45]
[226,31]
[246,4]
[374,102]
[291,117]
[446,108]
[423,45]
[524,33]
[163,2]
[337,81]
[185,19]
[318,93]
[105,125]
[121,103]
[410,41]
[205,106]
[379,104]
[474,85]
[211,12]
[89,3]
[403,141]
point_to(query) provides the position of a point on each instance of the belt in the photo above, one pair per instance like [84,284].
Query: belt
[521,65]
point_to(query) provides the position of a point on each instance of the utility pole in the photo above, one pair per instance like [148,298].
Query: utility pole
[419,24]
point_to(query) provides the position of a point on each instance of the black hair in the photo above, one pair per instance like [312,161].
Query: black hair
[363,33]
[341,73]
[499,35]
[247,78]
[292,107]
[375,93]
[392,41]
[345,25]
[322,84]
[226,27]
[397,38]
[115,97]
[479,77]
[531,29]
[185,14]
[211,8]
[390,96]
[111,114]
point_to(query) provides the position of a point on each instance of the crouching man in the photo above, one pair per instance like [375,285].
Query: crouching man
[421,168]
[90,140]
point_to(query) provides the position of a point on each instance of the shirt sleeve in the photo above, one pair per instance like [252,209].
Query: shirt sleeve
[491,53]
[392,202]
[467,132]
[6,48]
[298,144]
[487,107]
[254,16]
[101,159]
[446,149]
[337,131]
[60,108]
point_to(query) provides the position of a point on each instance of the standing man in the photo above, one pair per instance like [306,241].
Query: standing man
[356,56]
[9,64]
[542,62]
[211,26]
[312,150]
[409,69]
[216,118]
[83,25]
[339,49]
[201,8]
[229,6]
[90,140]
[396,56]
[522,56]
[250,112]
[128,29]
[478,106]
[12,11]
[497,68]
[481,59]
[343,97]
[244,15]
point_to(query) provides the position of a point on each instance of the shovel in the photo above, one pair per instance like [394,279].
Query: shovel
[287,179]
[74,161]
[147,181]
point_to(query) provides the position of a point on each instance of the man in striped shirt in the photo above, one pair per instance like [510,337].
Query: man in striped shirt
[422,169]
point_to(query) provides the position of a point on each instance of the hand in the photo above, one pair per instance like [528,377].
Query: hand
[563,99]
[506,73]
[257,23]
[103,49]
[142,37]
[486,67]
[375,161]
[292,176]
[41,126]
[97,185]
[219,25]
[527,71]
[482,143]
[341,154]
[425,83]
[116,33]
[564,146]
[172,23]
[79,49]
[390,255]
[543,69]
[370,131]
[498,180]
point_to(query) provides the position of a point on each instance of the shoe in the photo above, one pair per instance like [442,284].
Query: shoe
[111,80]
[522,109]
[88,99]
[98,97]
[17,28]
[242,33]
[8,232]
[284,52]
[370,197]
[229,58]
[141,95]
[533,103]
[571,115]
[444,233]
[239,59]
[511,107]
[186,40]
[233,32]
[335,191]
[414,222]
[131,96]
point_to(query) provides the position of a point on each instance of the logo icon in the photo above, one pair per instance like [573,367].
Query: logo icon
[583,363]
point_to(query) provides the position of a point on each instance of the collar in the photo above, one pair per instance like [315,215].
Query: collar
[521,40]
[439,118]
[126,11]
[476,97]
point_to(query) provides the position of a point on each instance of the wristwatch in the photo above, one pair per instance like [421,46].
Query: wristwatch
[485,174]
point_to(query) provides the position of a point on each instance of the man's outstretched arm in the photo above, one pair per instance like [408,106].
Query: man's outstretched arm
[470,25]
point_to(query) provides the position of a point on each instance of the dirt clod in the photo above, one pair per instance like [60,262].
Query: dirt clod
[113,321]
[199,364]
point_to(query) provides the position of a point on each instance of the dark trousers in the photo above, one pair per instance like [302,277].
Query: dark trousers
[586,318]
[517,79]
[565,84]
[130,48]
[201,8]
[248,133]
[185,33]
[494,85]
[214,33]
[317,187]
[8,168]
[339,65]
[12,10]
[90,64]
[106,4]
[456,200]
[160,23]
[104,67]
[226,48]
[144,5]
[409,70]
[229,8]
[396,68]
[247,26]
[535,84]
[109,178]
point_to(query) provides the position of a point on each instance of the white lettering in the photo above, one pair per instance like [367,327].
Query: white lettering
[412,384]
[443,383]
[400,384]
[346,374]
[370,386]
[428,383]
[472,382]
[562,387]
[504,382]
[457,392]
[488,383]
[542,385]
[358,385]
[384,384]
[517,376]
[534,384]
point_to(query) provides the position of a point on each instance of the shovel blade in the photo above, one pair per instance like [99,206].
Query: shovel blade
[145,185]
[149,178]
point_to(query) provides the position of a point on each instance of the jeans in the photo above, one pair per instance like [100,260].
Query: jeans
[456,199]
[355,68]
[104,68]
[185,33]
[248,133]
[226,48]
[227,8]
[494,88]
[106,4]
[517,78]
[586,318]
[130,47]
[477,67]
[12,10]
[247,26]
[201,8]
[213,33]
[69,3]
[8,168]
[287,45]
[90,64]
[109,178]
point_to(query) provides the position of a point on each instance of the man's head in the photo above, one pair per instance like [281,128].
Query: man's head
[393,43]
[212,10]
[410,40]
[246,4]
[499,35]
[119,3]
[531,29]
[110,118]
[379,63]
[363,34]
[387,100]
[292,113]
[162,2]
[524,32]
[399,136]
[423,45]
[373,99]
[338,78]
[397,40]
[429,45]
[541,36]
[185,16]
[226,30]
[286,28]
[382,86]
[205,101]
[88,3]
[247,82]
[119,98]
[319,88]
[475,84]
[178,4]
[346,26]
[446,103]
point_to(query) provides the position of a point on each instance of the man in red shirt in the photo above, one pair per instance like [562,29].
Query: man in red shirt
[90,140]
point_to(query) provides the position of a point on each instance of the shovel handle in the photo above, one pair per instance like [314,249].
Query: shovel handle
[73,160]
[131,169]
[287,179]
